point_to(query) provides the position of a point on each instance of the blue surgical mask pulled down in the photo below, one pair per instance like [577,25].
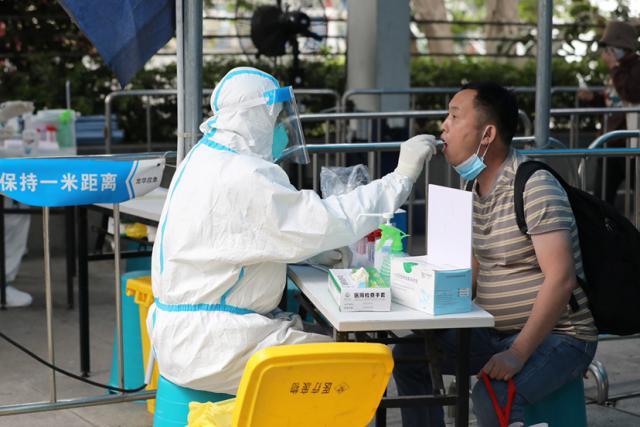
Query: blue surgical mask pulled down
[474,165]
[280,141]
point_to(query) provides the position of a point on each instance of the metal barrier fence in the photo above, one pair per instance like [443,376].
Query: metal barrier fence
[146,94]
[599,143]
[315,150]
[340,103]
[575,114]
[447,92]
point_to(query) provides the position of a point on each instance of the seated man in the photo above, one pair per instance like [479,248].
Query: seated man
[231,223]
[524,281]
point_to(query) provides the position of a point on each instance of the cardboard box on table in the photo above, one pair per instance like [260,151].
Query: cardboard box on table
[375,295]
[439,282]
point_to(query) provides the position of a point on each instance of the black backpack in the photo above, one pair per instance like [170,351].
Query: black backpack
[610,247]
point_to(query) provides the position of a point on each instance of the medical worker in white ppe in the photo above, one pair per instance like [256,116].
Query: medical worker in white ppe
[231,223]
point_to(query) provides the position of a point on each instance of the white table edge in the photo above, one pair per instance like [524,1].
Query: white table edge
[365,321]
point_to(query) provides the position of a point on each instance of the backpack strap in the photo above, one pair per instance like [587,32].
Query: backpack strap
[469,185]
[524,172]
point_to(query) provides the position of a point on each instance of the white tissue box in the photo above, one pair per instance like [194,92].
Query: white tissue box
[434,289]
[351,296]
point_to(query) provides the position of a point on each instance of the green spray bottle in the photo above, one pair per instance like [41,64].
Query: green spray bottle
[389,246]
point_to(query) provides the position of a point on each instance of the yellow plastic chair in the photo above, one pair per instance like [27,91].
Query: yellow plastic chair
[328,384]
[140,289]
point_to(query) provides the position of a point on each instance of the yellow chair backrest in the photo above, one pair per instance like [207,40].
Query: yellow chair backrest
[328,384]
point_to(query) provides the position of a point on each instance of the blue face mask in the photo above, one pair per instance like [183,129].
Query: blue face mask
[280,141]
[473,166]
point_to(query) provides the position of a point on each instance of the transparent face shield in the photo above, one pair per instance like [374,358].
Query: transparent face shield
[288,139]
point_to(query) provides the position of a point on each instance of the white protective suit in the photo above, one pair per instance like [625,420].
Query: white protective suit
[231,223]
[16,234]
[16,226]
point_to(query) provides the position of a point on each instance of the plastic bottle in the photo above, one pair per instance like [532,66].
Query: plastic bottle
[50,136]
[377,253]
[66,132]
[372,239]
[29,141]
[390,246]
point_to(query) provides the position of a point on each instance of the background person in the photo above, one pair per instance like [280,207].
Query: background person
[16,226]
[619,45]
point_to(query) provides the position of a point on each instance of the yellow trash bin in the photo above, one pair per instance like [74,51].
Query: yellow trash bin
[140,289]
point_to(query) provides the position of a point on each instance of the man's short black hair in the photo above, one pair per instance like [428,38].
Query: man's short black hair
[498,105]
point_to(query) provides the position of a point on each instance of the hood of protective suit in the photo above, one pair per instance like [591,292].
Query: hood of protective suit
[245,130]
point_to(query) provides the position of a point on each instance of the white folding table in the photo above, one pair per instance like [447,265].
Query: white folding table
[313,284]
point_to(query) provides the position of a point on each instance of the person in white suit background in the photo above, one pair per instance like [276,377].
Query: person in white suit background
[16,226]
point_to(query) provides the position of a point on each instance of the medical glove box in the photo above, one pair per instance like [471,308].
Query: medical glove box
[439,282]
[375,295]
[434,289]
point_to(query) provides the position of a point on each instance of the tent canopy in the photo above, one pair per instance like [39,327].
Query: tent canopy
[126,32]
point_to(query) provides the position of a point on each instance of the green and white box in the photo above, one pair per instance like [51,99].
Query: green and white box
[434,289]
[439,282]
[375,295]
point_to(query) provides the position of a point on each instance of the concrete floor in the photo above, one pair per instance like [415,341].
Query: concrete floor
[25,380]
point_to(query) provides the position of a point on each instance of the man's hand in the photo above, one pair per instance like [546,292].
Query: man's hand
[503,366]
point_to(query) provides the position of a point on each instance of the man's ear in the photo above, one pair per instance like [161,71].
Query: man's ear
[490,135]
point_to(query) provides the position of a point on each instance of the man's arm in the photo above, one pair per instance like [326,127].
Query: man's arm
[555,257]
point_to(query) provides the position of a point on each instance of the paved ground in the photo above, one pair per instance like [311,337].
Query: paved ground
[24,380]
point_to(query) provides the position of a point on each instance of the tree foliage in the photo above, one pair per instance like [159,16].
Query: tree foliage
[41,48]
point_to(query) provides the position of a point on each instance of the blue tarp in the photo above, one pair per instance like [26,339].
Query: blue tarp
[126,32]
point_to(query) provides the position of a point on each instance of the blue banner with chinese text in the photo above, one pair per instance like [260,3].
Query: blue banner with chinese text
[77,180]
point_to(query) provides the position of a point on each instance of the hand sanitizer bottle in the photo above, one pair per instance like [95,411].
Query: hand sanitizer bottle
[390,246]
